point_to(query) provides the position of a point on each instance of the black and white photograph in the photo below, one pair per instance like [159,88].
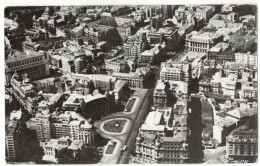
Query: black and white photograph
[130,84]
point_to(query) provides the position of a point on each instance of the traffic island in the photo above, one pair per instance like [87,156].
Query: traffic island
[115,126]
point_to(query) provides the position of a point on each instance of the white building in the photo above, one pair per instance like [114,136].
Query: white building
[247,59]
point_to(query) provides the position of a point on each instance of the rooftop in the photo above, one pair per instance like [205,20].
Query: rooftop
[16,55]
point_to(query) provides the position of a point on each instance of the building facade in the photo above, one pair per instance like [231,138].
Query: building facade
[68,124]
[35,64]
[241,145]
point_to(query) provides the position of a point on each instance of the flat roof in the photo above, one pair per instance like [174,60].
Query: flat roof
[16,55]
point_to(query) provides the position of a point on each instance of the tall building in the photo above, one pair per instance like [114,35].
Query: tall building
[160,95]
[157,22]
[15,136]
[241,145]
[24,92]
[69,123]
[35,64]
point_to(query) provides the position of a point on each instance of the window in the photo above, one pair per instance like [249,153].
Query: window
[249,149]
[236,149]
[241,149]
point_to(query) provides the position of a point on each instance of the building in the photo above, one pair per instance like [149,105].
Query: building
[248,90]
[56,125]
[125,30]
[221,20]
[182,12]
[100,81]
[92,106]
[115,64]
[122,20]
[230,117]
[226,85]
[119,89]
[157,22]
[15,136]
[245,43]
[160,95]
[154,55]
[99,33]
[231,34]
[170,37]
[55,147]
[221,53]
[135,80]
[135,45]
[24,92]
[108,19]
[248,59]
[163,138]
[203,40]
[175,70]
[204,12]
[35,64]
[241,145]
[77,33]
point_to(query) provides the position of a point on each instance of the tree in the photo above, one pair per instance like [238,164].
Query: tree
[46,26]
[55,22]
[41,23]
[80,42]
[51,11]
[73,20]
[57,8]
[52,30]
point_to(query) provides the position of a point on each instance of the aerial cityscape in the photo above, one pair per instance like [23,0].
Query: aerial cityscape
[158,84]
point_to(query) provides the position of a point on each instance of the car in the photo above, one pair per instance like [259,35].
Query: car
[124,148]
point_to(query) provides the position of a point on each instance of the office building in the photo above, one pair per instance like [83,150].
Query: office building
[35,64]
[154,55]
[135,80]
[163,138]
[221,53]
[204,12]
[24,92]
[248,59]
[119,90]
[92,106]
[203,40]
[241,145]
[56,147]
[175,70]
[56,125]
[15,136]
[160,95]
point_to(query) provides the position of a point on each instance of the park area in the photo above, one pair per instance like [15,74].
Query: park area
[115,126]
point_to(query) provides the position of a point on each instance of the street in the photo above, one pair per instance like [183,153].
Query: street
[130,142]
[128,137]
[215,156]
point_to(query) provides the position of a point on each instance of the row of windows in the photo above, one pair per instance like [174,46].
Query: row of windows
[24,62]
